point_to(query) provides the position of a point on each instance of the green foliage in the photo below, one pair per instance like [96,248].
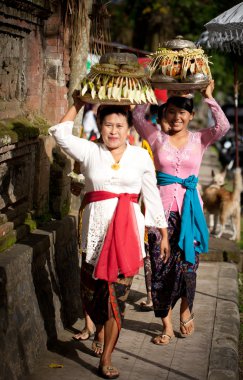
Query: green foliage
[169,18]
[144,24]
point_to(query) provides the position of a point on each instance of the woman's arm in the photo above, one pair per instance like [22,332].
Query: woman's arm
[74,109]
[144,128]
[154,211]
[212,134]
[76,147]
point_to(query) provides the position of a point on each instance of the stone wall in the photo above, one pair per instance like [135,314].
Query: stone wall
[34,73]
[34,187]
[17,177]
[39,295]
[35,60]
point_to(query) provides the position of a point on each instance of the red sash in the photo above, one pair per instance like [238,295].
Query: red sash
[121,251]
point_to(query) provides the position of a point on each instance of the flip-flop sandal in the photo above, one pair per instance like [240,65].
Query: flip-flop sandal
[146,306]
[84,334]
[158,339]
[184,323]
[97,348]
[108,372]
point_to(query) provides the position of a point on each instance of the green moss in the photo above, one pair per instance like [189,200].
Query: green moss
[40,123]
[22,128]
[29,221]
[43,219]
[7,241]
[65,208]
[39,220]
[18,129]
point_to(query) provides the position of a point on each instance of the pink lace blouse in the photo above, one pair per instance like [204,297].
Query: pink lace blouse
[184,161]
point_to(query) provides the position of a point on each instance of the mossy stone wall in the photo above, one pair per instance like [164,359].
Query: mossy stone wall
[34,183]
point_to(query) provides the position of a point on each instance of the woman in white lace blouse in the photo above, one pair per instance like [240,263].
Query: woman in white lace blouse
[112,235]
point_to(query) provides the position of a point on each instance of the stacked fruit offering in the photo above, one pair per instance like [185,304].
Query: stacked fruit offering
[117,78]
[179,61]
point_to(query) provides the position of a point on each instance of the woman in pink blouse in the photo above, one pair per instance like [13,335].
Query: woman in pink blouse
[177,158]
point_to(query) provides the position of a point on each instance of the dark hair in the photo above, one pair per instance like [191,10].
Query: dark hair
[153,109]
[181,102]
[161,111]
[105,110]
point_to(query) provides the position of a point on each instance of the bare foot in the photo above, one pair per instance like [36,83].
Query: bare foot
[187,325]
[83,334]
[108,371]
[98,342]
[97,347]
[163,339]
[146,305]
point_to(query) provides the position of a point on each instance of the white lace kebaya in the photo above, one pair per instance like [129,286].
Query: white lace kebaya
[135,175]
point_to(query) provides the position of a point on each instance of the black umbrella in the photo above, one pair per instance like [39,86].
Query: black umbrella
[225,32]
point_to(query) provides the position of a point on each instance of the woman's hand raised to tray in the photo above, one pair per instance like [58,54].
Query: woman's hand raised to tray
[77,102]
[208,91]
[74,109]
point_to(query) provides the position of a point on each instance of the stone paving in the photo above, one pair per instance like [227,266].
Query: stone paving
[210,353]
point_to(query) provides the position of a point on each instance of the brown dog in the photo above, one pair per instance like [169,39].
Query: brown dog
[223,204]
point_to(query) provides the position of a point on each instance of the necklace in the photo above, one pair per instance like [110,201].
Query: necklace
[117,158]
[115,166]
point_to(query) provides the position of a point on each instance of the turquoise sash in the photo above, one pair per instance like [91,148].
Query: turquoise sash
[193,223]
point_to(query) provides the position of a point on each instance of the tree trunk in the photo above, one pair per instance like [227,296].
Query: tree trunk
[79,53]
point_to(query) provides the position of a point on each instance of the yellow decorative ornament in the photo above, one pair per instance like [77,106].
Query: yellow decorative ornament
[115,166]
